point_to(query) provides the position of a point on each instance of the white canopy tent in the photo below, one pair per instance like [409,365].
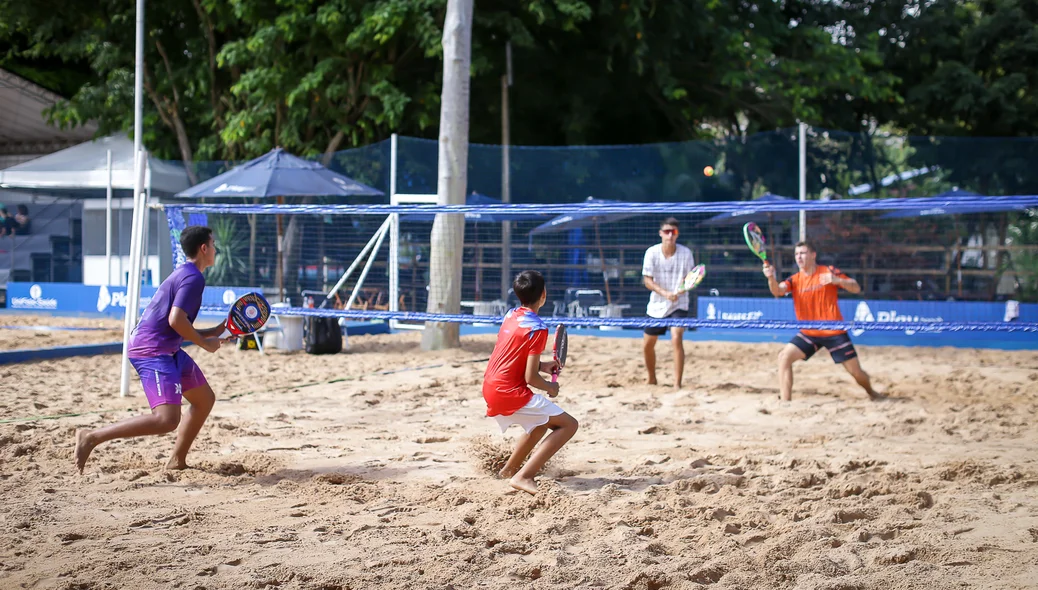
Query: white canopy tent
[96,168]
[85,167]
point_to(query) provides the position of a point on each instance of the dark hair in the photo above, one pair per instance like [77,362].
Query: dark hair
[193,238]
[807,245]
[528,286]
[23,209]
[669,221]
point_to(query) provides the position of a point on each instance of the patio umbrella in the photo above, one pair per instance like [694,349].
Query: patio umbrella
[751,211]
[279,174]
[741,216]
[954,209]
[474,217]
[586,219]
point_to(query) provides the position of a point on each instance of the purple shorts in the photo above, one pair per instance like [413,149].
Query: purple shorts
[166,378]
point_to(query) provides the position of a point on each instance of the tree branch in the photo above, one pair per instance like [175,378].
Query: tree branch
[169,72]
[333,145]
[169,116]
[207,27]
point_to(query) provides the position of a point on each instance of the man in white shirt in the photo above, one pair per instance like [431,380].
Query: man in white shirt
[665,265]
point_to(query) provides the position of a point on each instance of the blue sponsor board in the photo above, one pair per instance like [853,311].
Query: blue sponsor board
[76,298]
[885,311]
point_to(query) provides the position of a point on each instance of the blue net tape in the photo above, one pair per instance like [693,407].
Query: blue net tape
[639,323]
[1018,202]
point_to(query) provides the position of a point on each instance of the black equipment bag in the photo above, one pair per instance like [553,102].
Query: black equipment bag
[322,335]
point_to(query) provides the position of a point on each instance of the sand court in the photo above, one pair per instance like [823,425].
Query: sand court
[370,469]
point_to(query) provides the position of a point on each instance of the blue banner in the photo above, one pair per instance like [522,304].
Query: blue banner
[753,309]
[175,221]
[76,298]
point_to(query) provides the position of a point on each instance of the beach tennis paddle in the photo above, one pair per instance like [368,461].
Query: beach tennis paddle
[559,350]
[692,279]
[247,315]
[755,240]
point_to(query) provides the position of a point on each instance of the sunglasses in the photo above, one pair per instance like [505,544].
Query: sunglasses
[669,232]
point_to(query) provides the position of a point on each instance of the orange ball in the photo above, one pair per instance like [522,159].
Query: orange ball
[708,171]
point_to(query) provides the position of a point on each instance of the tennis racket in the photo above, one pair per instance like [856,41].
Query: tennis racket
[692,279]
[559,350]
[755,240]
[247,315]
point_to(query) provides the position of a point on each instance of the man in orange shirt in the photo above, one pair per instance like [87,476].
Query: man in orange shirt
[815,292]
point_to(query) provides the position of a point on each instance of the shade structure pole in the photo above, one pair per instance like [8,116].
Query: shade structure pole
[108,223]
[281,266]
[601,260]
[802,128]
[506,177]
[394,235]
[376,237]
[382,231]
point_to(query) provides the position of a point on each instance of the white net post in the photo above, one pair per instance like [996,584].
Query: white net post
[394,236]
[133,283]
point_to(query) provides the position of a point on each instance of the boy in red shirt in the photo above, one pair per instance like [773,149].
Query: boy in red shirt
[514,366]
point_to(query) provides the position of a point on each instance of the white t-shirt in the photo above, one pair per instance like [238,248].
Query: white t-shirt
[667,273]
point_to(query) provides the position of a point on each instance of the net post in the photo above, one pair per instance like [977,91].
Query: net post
[133,283]
[394,235]
[802,143]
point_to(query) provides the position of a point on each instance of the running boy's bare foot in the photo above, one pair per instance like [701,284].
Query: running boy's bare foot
[652,381]
[506,473]
[83,449]
[524,484]
[876,396]
[176,464]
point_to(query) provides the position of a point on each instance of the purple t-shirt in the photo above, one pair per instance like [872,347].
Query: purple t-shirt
[153,336]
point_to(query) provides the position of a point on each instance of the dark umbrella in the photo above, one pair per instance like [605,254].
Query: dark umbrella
[586,219]
[742,216]
[474,217]
[952,208]
[955,210]
[279,174]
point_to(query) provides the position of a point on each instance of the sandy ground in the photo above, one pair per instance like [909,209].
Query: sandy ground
[367,470]
[31,331]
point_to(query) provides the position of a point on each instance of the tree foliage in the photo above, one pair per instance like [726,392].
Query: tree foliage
[229,80]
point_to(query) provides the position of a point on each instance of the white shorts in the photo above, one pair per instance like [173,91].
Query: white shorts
[535,413]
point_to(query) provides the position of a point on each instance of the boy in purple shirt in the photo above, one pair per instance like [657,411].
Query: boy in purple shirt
[167,373]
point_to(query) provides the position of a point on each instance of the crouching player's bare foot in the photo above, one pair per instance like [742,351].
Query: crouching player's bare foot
[176,464]
[562,427]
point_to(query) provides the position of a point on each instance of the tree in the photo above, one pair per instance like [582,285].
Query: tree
[448,233]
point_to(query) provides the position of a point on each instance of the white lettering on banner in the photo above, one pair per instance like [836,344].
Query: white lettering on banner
[742,316]
[737,316]
[104,298]
[35,300]
[864,314]
[118,299]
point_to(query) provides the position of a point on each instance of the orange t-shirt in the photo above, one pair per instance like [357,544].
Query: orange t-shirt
[813,301]
[523,334]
